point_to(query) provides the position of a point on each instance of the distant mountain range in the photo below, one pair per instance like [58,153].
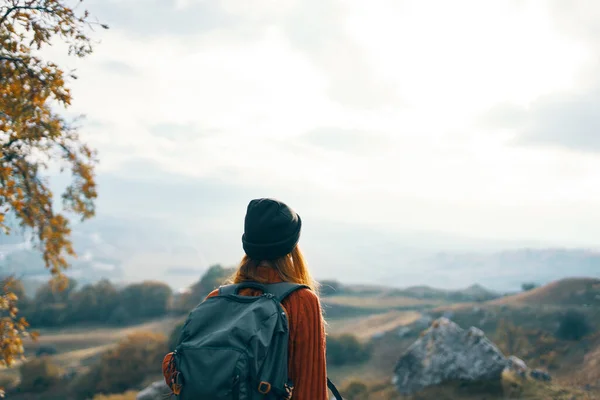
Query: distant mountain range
[135,249]
[503,270]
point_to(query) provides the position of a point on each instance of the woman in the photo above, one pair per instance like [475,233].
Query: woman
[270,242]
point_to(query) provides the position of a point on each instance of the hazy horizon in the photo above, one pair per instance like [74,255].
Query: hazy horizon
[394,128]
[137,248]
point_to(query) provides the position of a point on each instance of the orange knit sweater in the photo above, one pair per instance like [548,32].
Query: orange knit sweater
[306,349]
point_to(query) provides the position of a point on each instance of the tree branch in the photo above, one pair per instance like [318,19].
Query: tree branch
[20,61]
[10,10]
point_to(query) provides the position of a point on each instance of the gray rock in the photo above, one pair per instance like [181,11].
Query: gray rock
[156,391]
[540,375]
[69,374]
[446,352]
[516,365]
[423,322]
[403,331]
[378,335]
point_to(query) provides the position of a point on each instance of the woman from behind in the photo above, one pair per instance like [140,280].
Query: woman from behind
[270,242]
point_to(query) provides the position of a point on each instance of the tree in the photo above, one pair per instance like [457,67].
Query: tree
[573,325]
[108,299]
[147,299]
[212,279]
[49,306]
[46,294]
[527,286]
[93,303]
[346,349]
[215,276]
[34,136]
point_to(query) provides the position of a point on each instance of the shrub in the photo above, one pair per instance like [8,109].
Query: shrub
[39,374]
[215,276]
[346,349]
[125,366]
[572,326]
[527,286]
[8,382]
[120,316]
[534,346]
[130,395]
[355,390]
[45,350]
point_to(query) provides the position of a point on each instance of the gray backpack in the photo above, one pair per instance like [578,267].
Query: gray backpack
[235,347]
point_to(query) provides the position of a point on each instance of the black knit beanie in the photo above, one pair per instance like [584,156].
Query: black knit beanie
[271,229]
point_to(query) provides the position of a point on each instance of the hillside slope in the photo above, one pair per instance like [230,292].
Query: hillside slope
[511,387]
[563,292]
[472,293]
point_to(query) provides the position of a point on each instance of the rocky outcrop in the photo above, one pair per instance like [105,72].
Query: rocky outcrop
[156,391]
[517,366]
[540,375]
[446,352]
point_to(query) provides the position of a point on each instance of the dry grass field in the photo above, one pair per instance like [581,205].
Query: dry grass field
[378,302]
[374,318]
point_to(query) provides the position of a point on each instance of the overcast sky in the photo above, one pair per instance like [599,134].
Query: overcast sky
[471,117]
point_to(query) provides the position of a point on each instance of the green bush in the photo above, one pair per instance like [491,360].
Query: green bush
[527,286]
[573,325]
[346,349]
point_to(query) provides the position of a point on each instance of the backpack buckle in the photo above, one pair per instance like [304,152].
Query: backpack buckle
[264,387]
[289,389]
[176,383]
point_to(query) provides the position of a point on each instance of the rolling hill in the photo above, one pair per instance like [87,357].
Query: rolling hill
[472,293]
[563,292]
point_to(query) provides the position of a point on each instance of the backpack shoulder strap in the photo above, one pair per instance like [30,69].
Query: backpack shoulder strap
[225,290]
[334,390]
[233,288]
[282,290]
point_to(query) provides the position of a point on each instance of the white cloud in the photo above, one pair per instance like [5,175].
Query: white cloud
[426,71]
[456,57]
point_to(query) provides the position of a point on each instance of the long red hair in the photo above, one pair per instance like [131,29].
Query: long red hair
[290,268]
